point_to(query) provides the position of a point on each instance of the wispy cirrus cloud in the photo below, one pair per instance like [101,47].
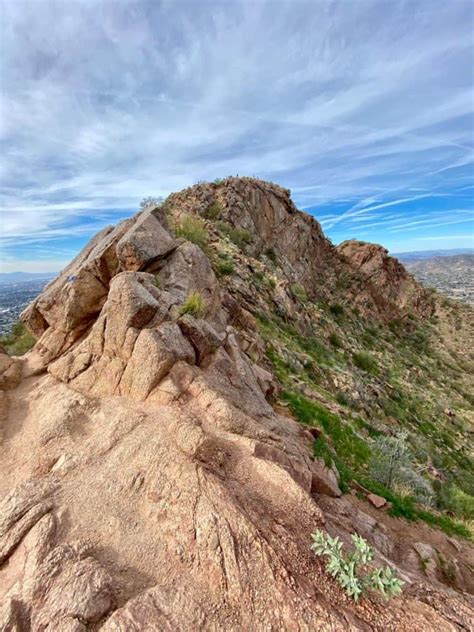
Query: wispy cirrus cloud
[361,109]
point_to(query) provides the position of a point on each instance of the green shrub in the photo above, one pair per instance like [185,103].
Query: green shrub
[18,341]
[299,292]
[336,309]
[193,305]
[262,280]
[224,266]
[241,237]
[271,254]
[335,341]
[213,211]
[192,228]
[346,569]
[341,398]
[453,499]
[365,362]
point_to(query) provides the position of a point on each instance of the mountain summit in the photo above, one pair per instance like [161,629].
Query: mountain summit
[209,377]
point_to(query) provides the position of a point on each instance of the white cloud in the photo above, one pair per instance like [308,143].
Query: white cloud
[366,105]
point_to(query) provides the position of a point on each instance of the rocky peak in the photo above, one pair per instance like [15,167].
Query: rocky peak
[161,488]
[393,289]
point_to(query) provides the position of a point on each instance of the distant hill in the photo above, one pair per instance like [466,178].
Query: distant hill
[417,255]
[6,278]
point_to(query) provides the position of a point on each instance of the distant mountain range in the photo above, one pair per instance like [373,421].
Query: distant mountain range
[406,257]
[7,278]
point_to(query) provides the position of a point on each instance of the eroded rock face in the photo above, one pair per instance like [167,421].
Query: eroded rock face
[147,482]
[393,289]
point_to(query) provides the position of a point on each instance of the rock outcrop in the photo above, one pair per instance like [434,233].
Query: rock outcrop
[392,288]
[161,490]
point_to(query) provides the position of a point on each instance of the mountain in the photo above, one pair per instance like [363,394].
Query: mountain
[406,257]
[8,278]
[212,382]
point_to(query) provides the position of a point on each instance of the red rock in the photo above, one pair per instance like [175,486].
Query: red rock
[377,501]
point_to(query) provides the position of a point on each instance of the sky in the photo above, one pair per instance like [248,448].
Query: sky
[364,109]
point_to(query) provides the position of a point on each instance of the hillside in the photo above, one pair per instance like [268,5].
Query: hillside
[212,381]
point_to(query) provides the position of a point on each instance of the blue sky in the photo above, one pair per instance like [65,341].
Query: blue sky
[364,109]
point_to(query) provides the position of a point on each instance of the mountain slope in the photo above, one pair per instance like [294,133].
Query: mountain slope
[209,376]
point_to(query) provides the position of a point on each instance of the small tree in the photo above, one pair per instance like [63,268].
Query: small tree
[347,569]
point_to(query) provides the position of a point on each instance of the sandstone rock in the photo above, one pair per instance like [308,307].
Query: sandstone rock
[391,287]
[145,242]
[71,585]
[154,353]
[427,558]
[10,616]
[194,504]
[266,381]
[10,371]
[377,501]
[202,336]
[324,479]
[186,270]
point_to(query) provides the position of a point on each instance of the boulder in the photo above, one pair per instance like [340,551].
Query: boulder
[202,336]
[10,371]
[325,480]
[144,243]
[377,501]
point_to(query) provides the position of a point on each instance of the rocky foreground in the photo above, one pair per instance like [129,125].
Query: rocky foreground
[150,482]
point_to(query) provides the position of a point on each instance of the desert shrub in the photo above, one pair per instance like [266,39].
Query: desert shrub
[341,398]
[150,201]
[299,292]
[241,237]
[224,266]
[213,211]
[455,500]
[336,309]
[335,340]
[351,571]
[271,254]
[192,228]
[193,305]
[391,464]
[262,280]
[18,341]
[365,362]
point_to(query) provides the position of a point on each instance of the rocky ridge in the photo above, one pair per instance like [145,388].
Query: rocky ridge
[161,487]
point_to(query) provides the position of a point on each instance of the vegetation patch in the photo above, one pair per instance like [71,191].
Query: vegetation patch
[213,211]
[352,571]
[241,237]
[365,362]
[299,292]
[18,341]
[194,305]
[336,309]
[193,229]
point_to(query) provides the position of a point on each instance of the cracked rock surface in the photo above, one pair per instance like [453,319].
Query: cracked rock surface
[147,482]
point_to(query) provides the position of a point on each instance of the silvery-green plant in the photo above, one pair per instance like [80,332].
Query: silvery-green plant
[346,569]
[150,201]
[392,463]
